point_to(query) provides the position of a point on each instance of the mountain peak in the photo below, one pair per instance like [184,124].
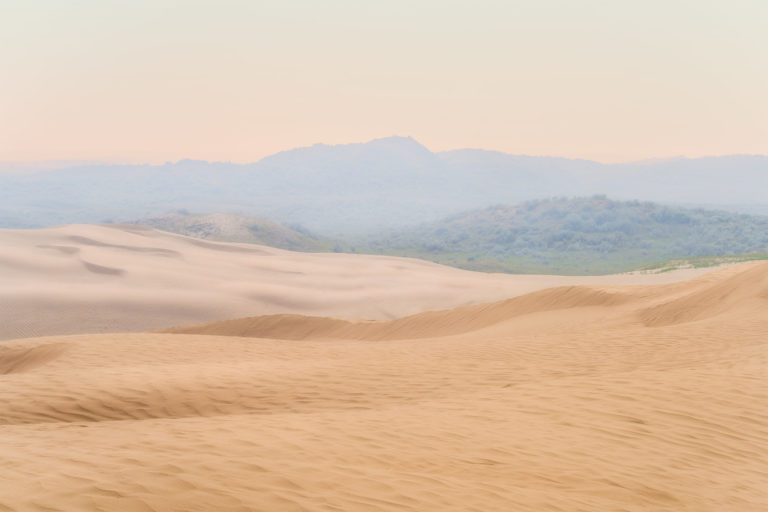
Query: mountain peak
[396,146]
[397,142]
[394,139]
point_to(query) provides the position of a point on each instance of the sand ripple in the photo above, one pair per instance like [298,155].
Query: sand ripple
[573,400]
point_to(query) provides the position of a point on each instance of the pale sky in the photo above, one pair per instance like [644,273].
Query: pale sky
[160,80]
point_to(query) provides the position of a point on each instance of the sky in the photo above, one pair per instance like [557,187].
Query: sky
[160,80]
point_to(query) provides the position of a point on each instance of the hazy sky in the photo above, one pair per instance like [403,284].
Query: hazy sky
[160,80]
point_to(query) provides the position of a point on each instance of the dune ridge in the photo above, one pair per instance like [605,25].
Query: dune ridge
[699,298]
[422,325]
[120,278]
[569,399]
[720,297]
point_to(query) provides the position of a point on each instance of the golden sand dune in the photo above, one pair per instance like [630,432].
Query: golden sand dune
[115,278]
[723,295]
[632,398]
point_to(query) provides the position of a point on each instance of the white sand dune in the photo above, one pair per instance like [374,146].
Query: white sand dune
[113,278]
[587,398]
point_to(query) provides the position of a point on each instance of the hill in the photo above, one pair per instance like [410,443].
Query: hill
[387,183]
[223,227]
[592,235]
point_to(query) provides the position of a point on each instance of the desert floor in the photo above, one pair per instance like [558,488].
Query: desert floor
[576,398]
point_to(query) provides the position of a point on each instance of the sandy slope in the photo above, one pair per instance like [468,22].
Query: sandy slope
[112,278]
[575,399]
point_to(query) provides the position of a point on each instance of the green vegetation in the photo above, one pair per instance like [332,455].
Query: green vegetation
[224,227]
[704,262]
[592,235]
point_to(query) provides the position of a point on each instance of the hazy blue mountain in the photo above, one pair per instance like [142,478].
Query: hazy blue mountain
[727,180]
[384,183]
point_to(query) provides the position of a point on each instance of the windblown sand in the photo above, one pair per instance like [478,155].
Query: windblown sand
[113,278]
[620,398]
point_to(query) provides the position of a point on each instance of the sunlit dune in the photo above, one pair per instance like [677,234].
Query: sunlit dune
[596,397]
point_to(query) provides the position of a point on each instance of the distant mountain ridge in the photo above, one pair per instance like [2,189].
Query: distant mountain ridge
[382,184]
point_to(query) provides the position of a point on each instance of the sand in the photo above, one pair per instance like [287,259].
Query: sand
[115,278]
[579,398]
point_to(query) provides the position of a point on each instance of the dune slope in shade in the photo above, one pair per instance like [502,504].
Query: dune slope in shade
[422,325]
[570,404]
[117,278]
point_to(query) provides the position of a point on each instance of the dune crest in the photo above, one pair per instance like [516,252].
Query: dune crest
[718,298]
[422,325]
[705,297]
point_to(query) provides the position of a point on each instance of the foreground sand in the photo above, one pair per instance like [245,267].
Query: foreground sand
[113,278]
[572,399]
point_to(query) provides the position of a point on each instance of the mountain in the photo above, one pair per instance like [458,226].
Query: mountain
[226,227]
[592,235]
[726,180]
[393,182]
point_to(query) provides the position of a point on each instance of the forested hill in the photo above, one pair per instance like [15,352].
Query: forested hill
[224,227]
[575,236]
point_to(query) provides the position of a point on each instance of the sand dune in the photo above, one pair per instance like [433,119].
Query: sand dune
[422,325]
[585,398]
[115,278]
[710,296]
[722,296]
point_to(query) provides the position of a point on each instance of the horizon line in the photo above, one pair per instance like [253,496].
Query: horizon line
[64,163]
